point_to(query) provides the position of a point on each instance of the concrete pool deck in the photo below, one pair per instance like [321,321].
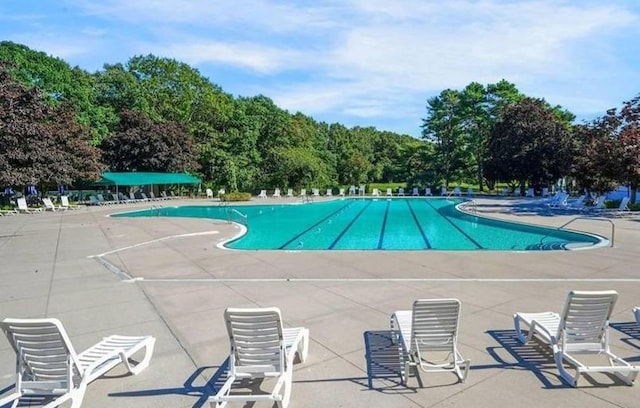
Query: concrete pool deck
[166,277]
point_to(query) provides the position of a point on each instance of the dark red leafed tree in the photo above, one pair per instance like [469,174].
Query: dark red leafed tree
[139,144]
[41,143]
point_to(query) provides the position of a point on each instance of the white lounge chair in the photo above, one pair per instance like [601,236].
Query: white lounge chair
[276,193]
[599,204]
[427,191]
[290,192]
[400,192]
[622,209]
[530,192]
[577,204]
[263,194]
[582,328]
[362,190]
[559,200]
[50,206]
[341,193]
[375,192]
[315,192]
[389,192]
[24,208]
[456,191]
[443,191]
[152,196]
[428,336]
[470,192]
[303,192]
[261,348]
[209,193]
[329,192]
[414,192]
[48,366]
[8,212]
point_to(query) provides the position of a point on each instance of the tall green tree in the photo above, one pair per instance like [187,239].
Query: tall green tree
[60,83]
[444,128]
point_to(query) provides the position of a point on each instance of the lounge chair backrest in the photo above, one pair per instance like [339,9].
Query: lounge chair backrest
[256,339]
[435,324]
[48,203]
[64,201]
[585,319]
[46,353]
[624,204]
[600,202]
[22,203]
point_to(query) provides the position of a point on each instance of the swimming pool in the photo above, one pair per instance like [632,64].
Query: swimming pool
[375,224]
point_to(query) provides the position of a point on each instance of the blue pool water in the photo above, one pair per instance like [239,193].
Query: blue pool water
[375,224]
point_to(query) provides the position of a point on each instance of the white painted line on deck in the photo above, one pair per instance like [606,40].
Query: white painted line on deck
[193,234]
[387,280]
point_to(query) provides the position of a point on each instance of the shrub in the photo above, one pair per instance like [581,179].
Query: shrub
[236,196]
[612,204]
[634,206]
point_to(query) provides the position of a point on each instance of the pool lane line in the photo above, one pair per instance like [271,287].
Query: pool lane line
[415,219]
[344,231]
[476,243]
[383,280]
[384,224]
[316,224]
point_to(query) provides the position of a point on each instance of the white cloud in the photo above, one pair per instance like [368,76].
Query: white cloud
[256,57]
[376,59]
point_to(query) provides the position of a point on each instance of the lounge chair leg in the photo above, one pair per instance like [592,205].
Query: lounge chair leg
[519,334]
[303,346]
[564,374]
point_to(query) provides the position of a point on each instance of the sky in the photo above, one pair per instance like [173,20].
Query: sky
[356,62]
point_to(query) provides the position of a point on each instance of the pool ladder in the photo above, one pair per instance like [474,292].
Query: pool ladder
[562,227]
[232,211]
[469,206]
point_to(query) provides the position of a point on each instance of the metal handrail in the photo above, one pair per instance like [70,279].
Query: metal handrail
[613,227]
[233,210]
[470,203]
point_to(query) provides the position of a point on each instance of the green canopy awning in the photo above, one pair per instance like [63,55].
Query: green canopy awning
[144,179]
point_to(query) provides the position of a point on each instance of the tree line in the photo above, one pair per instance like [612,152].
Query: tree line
[63,125]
